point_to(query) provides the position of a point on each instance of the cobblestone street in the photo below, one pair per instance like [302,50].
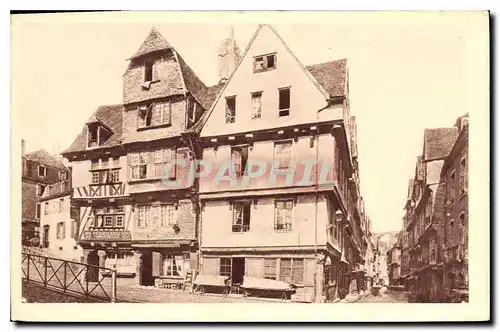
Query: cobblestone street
[389,297]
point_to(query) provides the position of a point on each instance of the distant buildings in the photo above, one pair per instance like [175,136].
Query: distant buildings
[435,222]
[39,169]
[394,262]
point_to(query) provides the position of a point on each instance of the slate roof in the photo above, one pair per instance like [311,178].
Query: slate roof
[331,76]
[45,158]
[194,84]
[153,42]
[438,142]
[111,116]
[210,95]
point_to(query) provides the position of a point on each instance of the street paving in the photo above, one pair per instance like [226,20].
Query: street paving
[388,297]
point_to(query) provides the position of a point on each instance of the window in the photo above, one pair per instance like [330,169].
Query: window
[451,231]
[107,217]
[42,171]
[143,216]
[63,176]
[167,215]
[256,105]
[225,267]
[46,209]
[282,155]
[241,217]
[61,205]
[452,188]
[463,176]
[114,176]
[92,129]
[61,231]
[95,177]
[152,164]
[145,116]
[74,229]
[270,269]
[40,189]
[264,63]
[230,109]
[148,71]
[161,113]
[175,265]
[283,215]
[292,270]
[239,157]
[284,102]
[38,212]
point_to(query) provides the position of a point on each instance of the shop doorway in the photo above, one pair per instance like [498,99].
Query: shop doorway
[146,276]
[238,269]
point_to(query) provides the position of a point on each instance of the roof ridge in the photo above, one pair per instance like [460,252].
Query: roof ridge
[326,62]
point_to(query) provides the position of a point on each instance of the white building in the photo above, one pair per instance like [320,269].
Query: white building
[58,231]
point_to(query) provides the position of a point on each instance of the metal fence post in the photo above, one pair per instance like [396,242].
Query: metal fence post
[113,284]
[28,269]
[45,272]
[65,275]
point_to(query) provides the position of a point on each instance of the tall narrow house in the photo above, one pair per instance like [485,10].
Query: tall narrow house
[279,197]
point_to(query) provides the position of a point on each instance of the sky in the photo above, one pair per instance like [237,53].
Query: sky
[407,73]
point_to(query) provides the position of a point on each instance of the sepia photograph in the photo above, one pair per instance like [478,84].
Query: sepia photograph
[264,159]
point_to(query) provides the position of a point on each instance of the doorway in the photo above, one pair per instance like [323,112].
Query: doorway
[93,267]
[146,276]
[238,269]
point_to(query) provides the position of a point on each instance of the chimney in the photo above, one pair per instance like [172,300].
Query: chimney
[23,147]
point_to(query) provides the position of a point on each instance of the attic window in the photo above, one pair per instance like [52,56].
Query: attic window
[264,63]
[97,134]
[284,102]
[230,109]
[148,71]
[42,171]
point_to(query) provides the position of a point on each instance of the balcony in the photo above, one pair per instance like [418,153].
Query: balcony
[108,235]
[100,190]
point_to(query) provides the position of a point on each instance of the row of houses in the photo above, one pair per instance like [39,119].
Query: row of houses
[255,176]
[433,252]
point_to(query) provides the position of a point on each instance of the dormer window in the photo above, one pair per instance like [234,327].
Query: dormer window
[42,171]
[97,134]
[148,71]
[264,63]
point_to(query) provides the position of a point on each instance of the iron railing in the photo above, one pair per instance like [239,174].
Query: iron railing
[72,278]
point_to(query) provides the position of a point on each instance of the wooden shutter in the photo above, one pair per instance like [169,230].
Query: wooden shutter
[254,267]
[309,270]
[156,264]
[211,266]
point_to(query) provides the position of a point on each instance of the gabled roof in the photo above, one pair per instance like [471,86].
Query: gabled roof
[45,158]
[153,42]
[110,116]
[438,142]
[210,95]
[331,76]
[194,84]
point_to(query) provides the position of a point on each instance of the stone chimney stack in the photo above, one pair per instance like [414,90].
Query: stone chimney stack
[229,55]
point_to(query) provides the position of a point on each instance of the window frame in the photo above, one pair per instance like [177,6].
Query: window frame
[151,164]
[146,209]
[228,268]
[282,227]
[292,267]
[268,267]
[105,213]
[283,112]
[277,167]
[256,115]
[241,227]
[452,187]
[44,168]
[230,118]
[170,213]
[265,62]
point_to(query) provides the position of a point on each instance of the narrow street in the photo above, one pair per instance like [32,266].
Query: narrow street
[388,297]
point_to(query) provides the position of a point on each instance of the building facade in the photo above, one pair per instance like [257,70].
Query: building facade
[454,176]
[436,204]
[270,211]
[394,262]
[58,228]
[39,169]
